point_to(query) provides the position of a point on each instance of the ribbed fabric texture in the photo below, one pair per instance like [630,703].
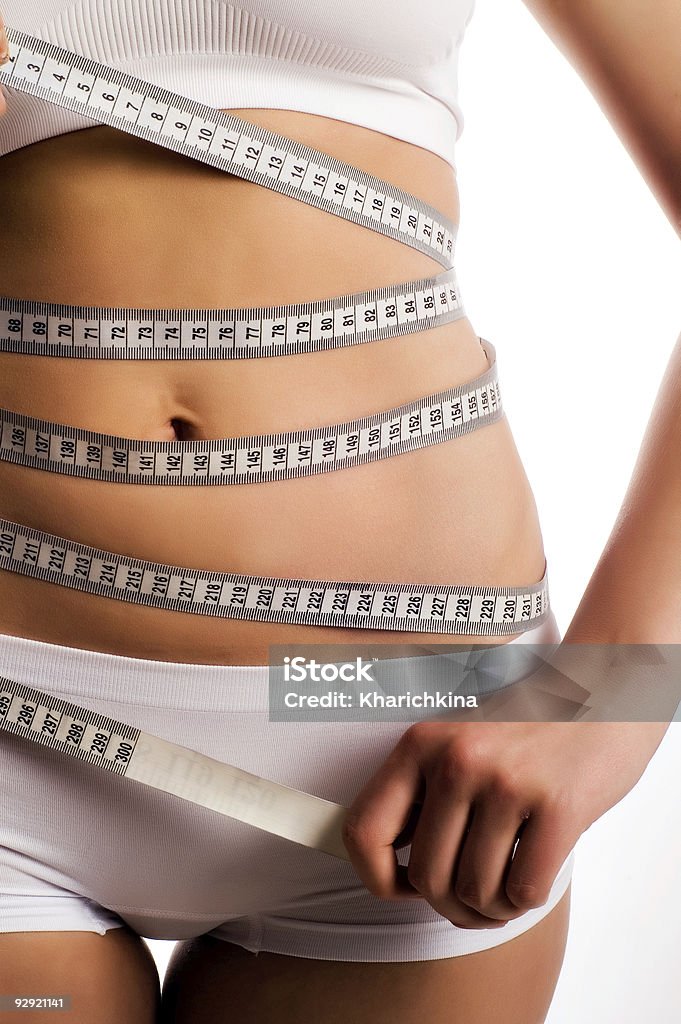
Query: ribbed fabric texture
[391,67]
[179,686]
[83,849]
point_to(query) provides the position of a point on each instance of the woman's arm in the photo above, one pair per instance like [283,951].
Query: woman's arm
[634,595]
[629,54]
[481,783]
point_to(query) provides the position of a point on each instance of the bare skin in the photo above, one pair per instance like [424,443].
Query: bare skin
[206,976]
[297,527]
[432,515]
[550,797]
[113,978]
[109,977]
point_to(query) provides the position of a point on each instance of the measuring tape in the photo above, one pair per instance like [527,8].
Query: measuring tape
[416,607]
[119,748]
[142,109]
[226,142]
[39,444]
[248,151]
[51,329]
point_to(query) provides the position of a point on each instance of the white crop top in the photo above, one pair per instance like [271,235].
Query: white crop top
[389,65]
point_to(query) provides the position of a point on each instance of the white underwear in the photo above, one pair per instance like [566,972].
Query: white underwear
[172,870]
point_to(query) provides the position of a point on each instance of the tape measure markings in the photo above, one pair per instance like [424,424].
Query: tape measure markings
[41,328]
[228,143]
[136,755]
[252,600]
[220,140]
[397,606]
[40,444]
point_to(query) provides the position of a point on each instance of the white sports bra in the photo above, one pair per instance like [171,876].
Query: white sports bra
[389,65]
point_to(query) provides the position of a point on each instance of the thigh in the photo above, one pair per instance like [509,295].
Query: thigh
[210,982]
[110,978]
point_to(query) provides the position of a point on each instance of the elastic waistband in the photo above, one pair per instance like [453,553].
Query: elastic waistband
[78,672]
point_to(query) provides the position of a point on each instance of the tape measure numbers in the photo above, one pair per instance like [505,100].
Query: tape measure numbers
[27,441]
[140,756]
[108,96]
[413,607]
[145,110]
[229,143]
[50,329]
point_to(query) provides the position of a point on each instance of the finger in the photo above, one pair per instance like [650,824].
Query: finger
[545,841]
[4,45]
[485,861]
[435,849]
[377,816]
[4,57]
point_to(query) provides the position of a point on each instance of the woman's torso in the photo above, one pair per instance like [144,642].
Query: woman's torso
[99,218]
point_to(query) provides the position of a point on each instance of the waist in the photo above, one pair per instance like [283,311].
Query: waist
[102,219]
[76,673]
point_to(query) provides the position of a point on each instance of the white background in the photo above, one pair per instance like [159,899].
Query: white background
[570,268]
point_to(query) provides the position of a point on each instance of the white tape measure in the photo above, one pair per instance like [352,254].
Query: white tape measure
[28,441]
[51,329]
[226,142]
[248,151]
[124,750]
[415,607]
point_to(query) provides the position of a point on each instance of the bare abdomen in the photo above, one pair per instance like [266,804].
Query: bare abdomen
[98,218]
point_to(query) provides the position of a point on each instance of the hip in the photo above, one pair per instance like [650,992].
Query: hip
[460,512]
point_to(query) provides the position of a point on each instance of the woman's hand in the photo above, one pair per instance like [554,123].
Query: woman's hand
[4,57]
[478,784]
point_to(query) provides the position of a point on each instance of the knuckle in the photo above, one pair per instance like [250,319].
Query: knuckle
[469,891]
[447,773]
[413,741]
[357,832]
[382,890]
[503,788]
[526,894]
[472,753]
[458,761]
[419,877]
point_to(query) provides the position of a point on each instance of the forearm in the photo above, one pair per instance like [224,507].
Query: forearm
[634,595]
[627,52]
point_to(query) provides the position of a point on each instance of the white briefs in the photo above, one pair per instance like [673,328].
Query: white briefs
[84,850]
